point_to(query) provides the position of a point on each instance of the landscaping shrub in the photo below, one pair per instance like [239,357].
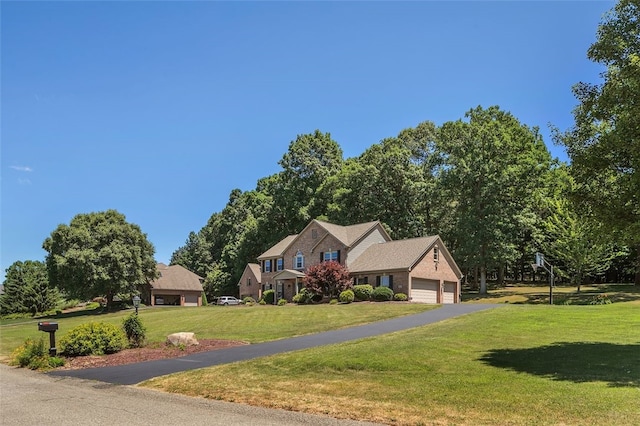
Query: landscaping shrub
[400,297]
[347,296]
[282,302]
[262,302]
[135,330]
[248,300]
[94,338]
[303,297]
[362,292]
[333,301]
[600,299]
[35,356]
[269,296]
[382,294]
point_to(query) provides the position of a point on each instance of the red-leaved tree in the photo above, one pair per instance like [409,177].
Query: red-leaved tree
[327,279]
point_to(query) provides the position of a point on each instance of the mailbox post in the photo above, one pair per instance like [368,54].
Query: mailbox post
[50,327]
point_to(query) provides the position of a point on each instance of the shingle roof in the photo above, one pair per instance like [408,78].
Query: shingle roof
[401,254]
[176,277]
[347,235]
[255,268]
[279,248]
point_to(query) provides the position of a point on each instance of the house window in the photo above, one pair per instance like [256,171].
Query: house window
[267,265]
[280,264]
[362,280]
[331,255]
[248,282]
[385,281]
[298,261]
[436,254]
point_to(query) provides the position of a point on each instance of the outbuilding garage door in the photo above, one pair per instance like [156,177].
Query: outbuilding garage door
[424,291]
[190,300]
[449,292]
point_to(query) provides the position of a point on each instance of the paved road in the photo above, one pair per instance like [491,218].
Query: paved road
[28,398]
[136,373]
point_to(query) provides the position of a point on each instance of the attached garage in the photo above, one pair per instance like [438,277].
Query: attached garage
[424,291]
[449,295]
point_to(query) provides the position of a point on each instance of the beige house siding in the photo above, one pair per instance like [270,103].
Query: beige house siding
[374,237]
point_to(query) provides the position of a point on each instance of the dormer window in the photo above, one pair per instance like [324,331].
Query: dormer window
[298,260]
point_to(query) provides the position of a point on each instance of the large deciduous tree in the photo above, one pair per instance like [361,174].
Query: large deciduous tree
[26,289]
[99,254]
[492,165]
[310,160]
[604,143]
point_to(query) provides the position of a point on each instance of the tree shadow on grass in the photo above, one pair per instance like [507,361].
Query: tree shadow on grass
[579,362]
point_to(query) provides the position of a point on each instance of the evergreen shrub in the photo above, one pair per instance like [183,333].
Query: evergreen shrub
[362,292]
[382,294]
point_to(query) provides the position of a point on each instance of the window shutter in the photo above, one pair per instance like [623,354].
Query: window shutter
[321,256]
[366,279]
[338,256]
[377,280]
[391,282]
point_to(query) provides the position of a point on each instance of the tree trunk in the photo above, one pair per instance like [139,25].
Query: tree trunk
[483,280]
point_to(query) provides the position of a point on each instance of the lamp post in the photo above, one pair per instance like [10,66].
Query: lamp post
[136,302]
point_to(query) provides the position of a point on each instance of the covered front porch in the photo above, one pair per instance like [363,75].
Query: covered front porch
[288,283]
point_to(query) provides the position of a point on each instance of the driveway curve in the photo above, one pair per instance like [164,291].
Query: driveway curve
[135,373]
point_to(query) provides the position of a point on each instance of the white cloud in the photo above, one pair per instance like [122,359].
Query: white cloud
[22,168]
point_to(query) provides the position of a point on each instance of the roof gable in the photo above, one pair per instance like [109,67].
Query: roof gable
[393,255]
[176,277]
[349,234]
[278,249]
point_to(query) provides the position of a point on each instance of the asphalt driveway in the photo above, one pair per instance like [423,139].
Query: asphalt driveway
[135,373]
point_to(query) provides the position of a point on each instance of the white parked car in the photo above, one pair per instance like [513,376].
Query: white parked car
[228,300]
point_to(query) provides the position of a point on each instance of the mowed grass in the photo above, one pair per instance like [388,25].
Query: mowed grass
[252,324]
[539,294]
[517,364]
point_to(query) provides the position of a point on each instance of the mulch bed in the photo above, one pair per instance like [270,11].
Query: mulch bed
[148,353]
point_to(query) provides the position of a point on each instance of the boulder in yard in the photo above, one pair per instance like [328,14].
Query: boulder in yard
[183,338]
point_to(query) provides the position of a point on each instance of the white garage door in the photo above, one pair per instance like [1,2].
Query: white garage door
[424,291]
[449,292]
[191,300]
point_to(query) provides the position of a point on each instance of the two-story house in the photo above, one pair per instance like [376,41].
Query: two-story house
[422,268]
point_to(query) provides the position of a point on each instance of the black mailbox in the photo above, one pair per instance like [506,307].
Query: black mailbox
[47,326]
[50,327]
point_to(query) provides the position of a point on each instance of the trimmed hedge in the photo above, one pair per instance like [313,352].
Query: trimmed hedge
[269,296]
[362,292]
[347,296]
[94,338]
[400,297]
[382,294]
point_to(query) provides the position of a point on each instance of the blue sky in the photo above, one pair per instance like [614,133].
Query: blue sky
[160,109]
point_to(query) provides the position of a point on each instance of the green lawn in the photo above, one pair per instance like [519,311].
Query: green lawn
[520,364]
[248,323]
[562,295]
